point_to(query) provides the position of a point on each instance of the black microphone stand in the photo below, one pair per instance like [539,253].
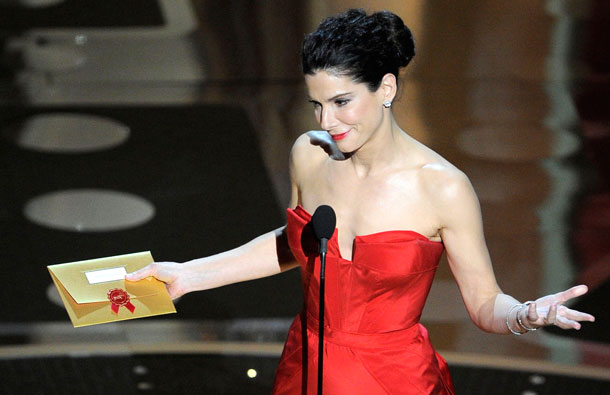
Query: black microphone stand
[323,222]
[321,316]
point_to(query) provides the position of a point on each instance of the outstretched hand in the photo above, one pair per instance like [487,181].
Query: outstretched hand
[549,310]
[168,272]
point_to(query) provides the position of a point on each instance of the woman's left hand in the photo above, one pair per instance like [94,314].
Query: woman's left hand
[549,310]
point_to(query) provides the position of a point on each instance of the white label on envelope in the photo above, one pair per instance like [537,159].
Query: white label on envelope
[106,275]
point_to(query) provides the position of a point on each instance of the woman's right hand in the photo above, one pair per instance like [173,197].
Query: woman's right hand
[168,272]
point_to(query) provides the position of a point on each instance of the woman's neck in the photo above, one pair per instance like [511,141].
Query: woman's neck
[381,151]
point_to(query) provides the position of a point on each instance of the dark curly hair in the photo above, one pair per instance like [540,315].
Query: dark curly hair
[363,47]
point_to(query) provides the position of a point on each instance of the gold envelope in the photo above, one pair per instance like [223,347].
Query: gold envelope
[88,303]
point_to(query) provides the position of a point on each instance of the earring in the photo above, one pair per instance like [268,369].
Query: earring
[387,104]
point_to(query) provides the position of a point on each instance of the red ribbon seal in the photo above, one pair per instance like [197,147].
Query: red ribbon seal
[119,297]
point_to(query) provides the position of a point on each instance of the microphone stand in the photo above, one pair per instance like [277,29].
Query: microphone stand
[321,316]
[323,222]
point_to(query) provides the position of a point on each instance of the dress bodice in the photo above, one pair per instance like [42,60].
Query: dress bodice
[383,287]
[373,343]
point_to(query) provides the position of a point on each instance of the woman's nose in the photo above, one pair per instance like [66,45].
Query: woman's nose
[327,119]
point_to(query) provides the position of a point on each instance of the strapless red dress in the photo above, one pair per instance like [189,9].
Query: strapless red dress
[373,341]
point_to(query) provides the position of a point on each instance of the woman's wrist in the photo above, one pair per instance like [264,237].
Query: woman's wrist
[522,317]
[516,323]
[512,322]
[195,275]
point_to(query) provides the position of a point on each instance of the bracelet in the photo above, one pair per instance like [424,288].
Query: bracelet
[517,306]
[521,324]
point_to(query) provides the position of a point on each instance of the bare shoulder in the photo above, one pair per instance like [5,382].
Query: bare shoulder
[443,183]
[305,156]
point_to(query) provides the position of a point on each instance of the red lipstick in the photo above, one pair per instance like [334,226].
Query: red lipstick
[341,136]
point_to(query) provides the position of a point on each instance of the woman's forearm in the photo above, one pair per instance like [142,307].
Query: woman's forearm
[491,316]
[264,256]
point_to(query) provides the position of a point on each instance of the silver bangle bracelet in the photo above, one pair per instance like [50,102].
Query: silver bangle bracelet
[518,306]
[521,324]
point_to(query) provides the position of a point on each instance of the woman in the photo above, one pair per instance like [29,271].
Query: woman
[398,206]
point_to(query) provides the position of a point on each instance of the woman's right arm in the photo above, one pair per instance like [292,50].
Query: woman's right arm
[264,256]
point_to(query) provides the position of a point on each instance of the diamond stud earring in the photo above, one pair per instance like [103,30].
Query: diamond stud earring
[387,104]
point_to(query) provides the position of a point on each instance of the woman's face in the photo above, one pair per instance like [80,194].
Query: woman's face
[349,111]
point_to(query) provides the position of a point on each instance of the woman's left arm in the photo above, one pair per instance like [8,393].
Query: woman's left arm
[489,308]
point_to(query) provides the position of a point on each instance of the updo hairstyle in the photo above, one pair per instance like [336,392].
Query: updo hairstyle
[363,47]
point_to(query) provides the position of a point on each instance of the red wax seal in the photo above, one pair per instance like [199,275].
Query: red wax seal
[119,297]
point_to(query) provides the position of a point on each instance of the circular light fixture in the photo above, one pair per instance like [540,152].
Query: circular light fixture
[89,210]
[66,133]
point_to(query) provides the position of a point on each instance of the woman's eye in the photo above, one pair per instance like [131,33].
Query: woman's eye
[341,102]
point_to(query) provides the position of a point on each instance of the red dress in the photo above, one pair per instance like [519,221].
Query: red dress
[373,341]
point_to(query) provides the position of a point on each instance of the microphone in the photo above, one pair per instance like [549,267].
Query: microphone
[323,222]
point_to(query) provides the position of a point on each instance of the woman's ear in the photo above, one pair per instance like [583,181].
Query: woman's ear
[388,87]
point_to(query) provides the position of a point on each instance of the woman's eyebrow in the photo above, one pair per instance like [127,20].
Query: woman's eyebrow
[339,95]
[332,98]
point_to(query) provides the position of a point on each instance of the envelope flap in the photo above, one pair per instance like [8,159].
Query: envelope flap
[73,277]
